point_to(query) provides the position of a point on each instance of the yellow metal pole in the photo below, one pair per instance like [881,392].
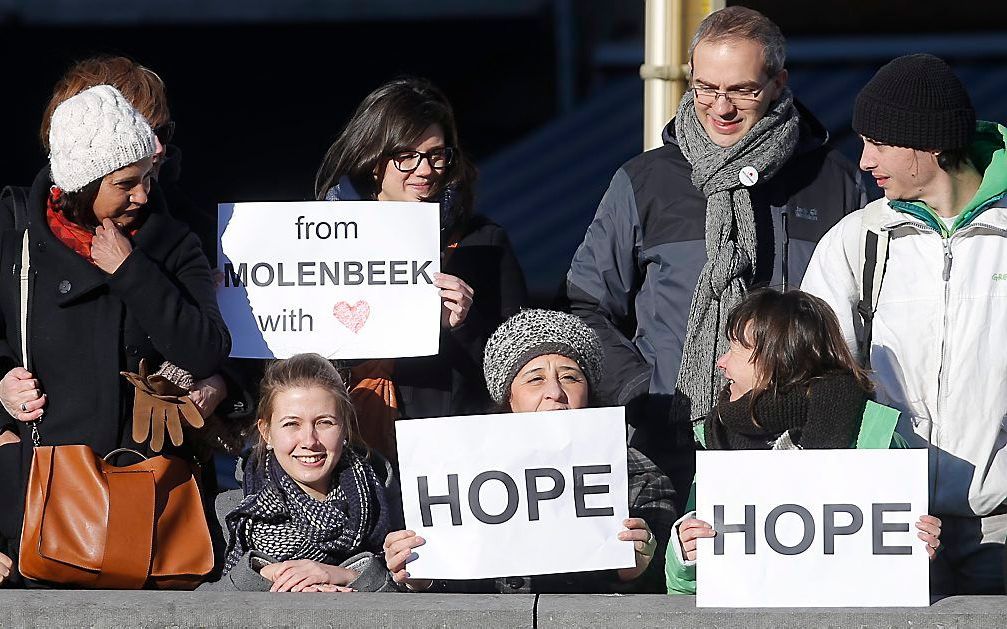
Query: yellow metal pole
[665,71]
[657,94]
[678,61]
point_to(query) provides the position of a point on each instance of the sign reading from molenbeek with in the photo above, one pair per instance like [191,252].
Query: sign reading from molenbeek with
[812,528]
[515,494]
[352,279]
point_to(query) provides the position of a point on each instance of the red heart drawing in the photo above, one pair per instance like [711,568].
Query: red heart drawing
[354,317]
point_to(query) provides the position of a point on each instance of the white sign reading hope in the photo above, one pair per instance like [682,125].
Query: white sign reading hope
[346,280]
[812,528]
[516,494]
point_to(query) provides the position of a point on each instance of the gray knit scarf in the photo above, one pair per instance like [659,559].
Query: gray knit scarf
[283,522]
[730,237]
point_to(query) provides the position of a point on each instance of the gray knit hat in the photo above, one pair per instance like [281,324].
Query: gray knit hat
[533,333]
[93,134]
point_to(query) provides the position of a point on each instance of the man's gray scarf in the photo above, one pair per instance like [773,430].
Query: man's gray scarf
[730,237]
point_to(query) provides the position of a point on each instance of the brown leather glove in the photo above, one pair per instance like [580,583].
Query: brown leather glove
[160,403]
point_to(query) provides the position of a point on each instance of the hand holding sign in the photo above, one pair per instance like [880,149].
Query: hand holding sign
[644,545]
[689,533]
[457,296]
[930,532]
[398,548]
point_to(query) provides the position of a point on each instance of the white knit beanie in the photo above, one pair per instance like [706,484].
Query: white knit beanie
[93,134]
[532,333]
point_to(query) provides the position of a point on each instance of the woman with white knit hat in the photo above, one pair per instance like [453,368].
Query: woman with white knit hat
[112,280]
[543,360]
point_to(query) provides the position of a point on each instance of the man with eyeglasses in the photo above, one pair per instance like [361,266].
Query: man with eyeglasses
[739,194]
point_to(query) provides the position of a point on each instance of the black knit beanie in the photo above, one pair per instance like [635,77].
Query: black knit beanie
[916,101]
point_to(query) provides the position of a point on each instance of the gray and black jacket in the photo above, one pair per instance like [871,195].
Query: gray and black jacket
[633,277]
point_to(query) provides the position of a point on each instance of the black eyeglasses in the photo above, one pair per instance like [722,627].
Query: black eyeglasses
[165,132]
[740,98]
[408,161]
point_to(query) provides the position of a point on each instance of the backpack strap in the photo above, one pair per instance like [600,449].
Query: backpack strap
[873,262]
[877,429]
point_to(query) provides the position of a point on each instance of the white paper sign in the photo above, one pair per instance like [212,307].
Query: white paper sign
[345,280]
[825,528]
[573,462]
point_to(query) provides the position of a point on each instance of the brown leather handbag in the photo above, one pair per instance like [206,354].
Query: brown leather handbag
[89,524]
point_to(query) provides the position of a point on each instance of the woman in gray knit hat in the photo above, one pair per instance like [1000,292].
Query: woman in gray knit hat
[543,360]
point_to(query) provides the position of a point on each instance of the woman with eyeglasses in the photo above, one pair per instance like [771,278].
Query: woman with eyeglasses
[402,145]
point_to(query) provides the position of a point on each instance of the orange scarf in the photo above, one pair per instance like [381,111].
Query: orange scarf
[77,237]
[74,236]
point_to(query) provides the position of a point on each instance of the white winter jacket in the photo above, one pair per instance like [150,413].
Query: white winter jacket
[939,343]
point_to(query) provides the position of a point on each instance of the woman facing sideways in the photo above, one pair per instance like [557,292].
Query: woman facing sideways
[791,384]
[112,280]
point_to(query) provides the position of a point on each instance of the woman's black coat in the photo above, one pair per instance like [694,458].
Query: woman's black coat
[452,382]
[86,326]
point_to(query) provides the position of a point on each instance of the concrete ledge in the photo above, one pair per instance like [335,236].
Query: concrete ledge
[654,610]
[75,608]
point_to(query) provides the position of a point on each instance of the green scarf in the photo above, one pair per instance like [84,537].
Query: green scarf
[988,153]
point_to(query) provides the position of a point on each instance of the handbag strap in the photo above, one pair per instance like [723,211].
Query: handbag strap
[23,320]
[107,458]
[25,277]
[129,542]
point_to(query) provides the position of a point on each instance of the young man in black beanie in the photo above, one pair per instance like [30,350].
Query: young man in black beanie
[919,282]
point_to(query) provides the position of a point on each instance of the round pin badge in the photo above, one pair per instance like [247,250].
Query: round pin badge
[748,176]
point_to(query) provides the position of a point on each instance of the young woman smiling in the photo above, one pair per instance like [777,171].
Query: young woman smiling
[402,145]
[314,512]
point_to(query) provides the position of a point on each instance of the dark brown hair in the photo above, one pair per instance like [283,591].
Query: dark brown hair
[305,370]
[78,207]
[795,339]
[952,160]
[391,119]
[142,87]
